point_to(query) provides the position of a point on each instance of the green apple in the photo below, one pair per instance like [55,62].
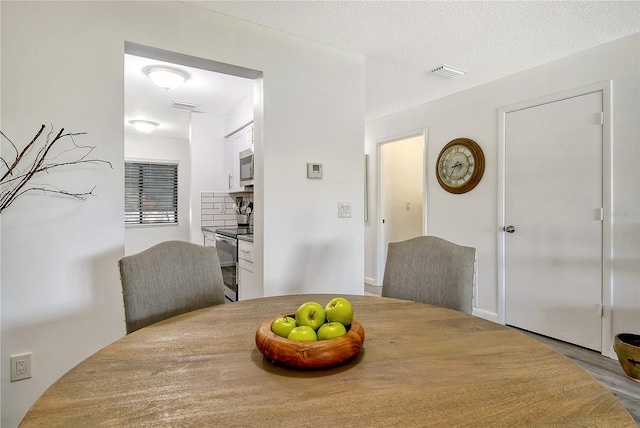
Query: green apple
[311,314]
[330,330]
[339,310]
[283,326]
[303,333]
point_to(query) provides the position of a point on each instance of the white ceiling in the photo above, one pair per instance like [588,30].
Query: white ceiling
[402,41]
[212,93]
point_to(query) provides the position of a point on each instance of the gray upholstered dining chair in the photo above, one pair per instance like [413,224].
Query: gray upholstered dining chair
[431,270]
[169,279]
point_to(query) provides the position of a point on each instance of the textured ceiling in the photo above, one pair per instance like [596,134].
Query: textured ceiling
[403,40]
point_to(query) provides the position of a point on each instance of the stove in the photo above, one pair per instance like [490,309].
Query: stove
[227,246]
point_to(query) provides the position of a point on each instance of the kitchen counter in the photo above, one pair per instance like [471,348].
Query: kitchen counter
[230,231]
[248,238]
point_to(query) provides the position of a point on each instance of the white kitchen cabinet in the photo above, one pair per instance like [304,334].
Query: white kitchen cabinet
[234,144]
[209,238]
[248,287]
[248,137]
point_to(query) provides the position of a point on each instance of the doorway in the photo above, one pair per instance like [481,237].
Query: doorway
[401,192]
[192,120]
[553,200]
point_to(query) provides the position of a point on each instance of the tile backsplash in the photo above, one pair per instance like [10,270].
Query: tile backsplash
[217,209]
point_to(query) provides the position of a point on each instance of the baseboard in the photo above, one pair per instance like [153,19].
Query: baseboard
[489,316]
[371,281]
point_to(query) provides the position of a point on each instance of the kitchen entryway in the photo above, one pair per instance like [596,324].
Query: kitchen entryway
[191,122]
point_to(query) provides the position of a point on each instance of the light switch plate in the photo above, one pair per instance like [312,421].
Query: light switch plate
[314,170]
[344,209]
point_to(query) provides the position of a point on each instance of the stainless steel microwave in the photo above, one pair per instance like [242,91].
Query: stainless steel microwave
[246,167]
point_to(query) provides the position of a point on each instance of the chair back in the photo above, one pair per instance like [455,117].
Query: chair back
[431,270]
[169,279]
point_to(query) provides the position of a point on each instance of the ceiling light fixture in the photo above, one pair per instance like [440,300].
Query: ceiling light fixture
[166,77]
[144,126]
[447,71]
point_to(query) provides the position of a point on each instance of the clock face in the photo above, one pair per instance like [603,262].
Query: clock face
[456,165]
[460,165]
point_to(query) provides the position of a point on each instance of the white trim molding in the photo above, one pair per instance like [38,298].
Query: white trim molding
[418,132]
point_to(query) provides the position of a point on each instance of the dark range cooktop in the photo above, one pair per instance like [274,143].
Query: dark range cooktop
[234,232]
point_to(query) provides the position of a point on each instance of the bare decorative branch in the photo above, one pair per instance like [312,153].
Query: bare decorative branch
[17,173]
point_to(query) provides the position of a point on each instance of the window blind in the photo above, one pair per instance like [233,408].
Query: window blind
[151,193]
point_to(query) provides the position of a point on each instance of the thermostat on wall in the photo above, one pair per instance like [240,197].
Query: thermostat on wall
[314,170]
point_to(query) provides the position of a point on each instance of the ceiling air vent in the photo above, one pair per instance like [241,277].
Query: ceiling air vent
[184,105]
[447,72]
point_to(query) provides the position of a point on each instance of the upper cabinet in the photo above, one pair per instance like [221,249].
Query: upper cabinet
[248,137]
[234,144]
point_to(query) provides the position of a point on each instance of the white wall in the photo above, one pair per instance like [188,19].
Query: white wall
[472,218]
[307,248]
[208,171]
[62,63]
[138,147]
[239,116]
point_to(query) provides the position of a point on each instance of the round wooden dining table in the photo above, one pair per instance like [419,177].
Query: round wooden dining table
[419,366]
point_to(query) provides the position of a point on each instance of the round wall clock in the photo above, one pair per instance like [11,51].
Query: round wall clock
[460,165]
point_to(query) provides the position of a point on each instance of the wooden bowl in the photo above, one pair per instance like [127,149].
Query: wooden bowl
[323,353]
[627,348]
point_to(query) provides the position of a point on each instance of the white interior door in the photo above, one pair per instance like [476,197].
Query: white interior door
[401,192]
[553,200]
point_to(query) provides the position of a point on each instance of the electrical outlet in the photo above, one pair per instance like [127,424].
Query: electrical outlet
[20,367]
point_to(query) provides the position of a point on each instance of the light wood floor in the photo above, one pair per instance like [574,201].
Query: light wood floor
[603,369]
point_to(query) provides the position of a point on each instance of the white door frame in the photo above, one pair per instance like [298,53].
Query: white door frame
[419,132]
[607,202]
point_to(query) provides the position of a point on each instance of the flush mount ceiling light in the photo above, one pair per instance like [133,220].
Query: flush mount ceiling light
[144,126]
[447,72]
[166,77]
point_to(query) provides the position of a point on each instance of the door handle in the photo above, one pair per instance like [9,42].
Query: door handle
[509,229]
